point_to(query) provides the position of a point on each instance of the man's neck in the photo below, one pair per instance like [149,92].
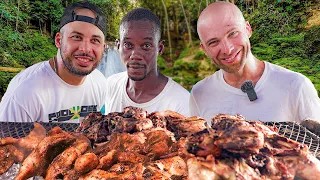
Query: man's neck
[58,67]
[147,89]
[252,70]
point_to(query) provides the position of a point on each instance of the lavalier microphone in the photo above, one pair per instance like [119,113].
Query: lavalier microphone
[247,87]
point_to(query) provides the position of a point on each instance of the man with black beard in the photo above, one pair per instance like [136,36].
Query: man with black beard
[143,85]
[66,87]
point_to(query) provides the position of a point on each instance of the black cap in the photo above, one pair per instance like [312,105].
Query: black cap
[70,16]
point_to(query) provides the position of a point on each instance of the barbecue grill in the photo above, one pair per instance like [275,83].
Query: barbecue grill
[291,130]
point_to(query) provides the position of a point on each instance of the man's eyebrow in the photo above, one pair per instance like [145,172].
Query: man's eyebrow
[230,30]
[79,33]
[146,38]
[207,43]
[97,36]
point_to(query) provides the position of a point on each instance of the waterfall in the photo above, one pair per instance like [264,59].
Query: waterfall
[110,63]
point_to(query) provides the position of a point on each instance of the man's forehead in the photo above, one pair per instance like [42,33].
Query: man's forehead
[144,28]
[77,27]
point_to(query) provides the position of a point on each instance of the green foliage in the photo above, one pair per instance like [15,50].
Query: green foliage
[272,19]
[113,10]
[24,49]
[200,55]
[185,52]
[4,81]
[279,37]
[312,42]
[13,16]
[27,30]
[47,14]
[163,67]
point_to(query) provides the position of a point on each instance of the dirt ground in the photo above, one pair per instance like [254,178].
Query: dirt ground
[314,20]
[10,69]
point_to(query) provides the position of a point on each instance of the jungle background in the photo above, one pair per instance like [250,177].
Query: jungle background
[285,32]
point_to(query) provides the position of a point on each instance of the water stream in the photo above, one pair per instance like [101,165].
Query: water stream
[110,63]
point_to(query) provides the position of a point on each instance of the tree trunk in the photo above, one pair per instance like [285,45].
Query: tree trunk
[252,5]
[40,27]
[168,30]
[17,18]
[187,23]
[199,9]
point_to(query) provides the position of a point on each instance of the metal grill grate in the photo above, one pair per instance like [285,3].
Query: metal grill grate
[298,133]
[18,130]
[290,130]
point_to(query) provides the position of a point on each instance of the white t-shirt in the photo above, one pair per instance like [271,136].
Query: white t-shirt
[173,97]
[283,95]
[39,94]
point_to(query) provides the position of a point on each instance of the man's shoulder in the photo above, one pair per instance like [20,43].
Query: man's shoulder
[28,78]
[116,77]
[97,77]
[288,75]
[31,72]
[205,82]
[176,86]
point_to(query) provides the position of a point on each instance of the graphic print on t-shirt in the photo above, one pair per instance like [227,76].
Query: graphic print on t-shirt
[73,113]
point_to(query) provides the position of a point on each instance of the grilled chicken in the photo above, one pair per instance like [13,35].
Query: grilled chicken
[170,167]
[213,169]
[186,126]
[86,163]
[9,154]
[241,137]
[64,161]
[164,145]
[28,143]
[40,158]
[304,166]
[134,171]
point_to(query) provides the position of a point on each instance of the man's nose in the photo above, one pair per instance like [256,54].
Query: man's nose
[227,47]
[85,46]
[135,54]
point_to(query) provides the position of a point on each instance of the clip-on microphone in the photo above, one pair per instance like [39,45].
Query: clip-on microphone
[247,87]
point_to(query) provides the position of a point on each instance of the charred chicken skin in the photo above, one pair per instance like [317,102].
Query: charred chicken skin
[64,161]
[47,149]
[28,143]
[133,144]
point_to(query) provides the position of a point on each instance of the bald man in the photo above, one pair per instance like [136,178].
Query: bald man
[67,87]
[245,85]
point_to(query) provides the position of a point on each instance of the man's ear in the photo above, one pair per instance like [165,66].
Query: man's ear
[248,29]
[161,47]
[203,48]
[58,39]
[118,43]
[104,45]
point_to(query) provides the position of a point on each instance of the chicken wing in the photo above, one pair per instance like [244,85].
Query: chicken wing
[28,143]
[64,161]
[40,158]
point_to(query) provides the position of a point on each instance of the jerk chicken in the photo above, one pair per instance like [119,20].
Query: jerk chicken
[133,144]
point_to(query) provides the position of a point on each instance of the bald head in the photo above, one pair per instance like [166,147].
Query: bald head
[219,14]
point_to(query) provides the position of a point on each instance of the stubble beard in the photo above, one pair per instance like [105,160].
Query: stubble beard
[233,68]
[138,78]
[73,70]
